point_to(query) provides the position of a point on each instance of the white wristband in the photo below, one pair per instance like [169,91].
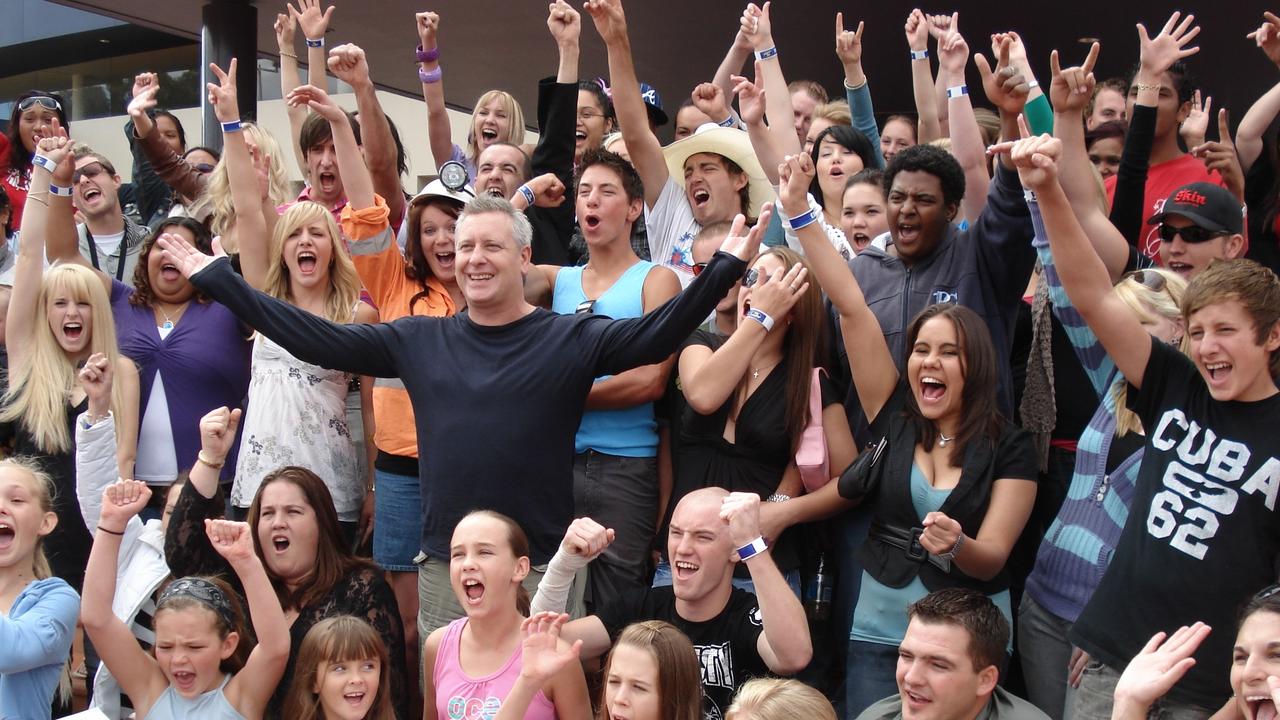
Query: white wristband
[761,317]
[60,191]
[753,548]
[43,162]
[956,91]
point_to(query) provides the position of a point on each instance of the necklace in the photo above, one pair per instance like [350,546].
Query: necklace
[944,440]
[168,322]
[755,372]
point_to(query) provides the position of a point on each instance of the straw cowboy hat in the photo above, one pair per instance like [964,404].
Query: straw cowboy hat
[730,143]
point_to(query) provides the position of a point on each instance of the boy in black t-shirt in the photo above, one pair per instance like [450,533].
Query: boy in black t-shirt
[737,635]
[1203,533]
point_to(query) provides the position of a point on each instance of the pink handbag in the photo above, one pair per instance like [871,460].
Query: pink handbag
[811,456]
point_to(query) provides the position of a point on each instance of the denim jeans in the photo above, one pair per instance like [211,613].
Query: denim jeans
[620,493]
[1044,652]
[1096,695]
[870,676]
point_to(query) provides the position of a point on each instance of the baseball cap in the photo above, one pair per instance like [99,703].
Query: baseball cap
[1207,205]
[653,103]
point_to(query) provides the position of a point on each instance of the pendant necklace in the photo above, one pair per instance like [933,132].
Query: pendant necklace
[168,322]
[943,439]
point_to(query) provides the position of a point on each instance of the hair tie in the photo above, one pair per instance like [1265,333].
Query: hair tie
[204,592]
[604,87]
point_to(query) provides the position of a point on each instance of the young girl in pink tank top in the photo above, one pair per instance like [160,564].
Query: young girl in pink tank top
[476,660]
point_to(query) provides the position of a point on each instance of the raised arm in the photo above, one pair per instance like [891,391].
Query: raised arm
[20,321]
[95,440]
[354,348]
[171,168]
[1154,671]
[758,26]
[1069,91]
[917,30]
[60,241]
[356,179]
[1082,272]
[628,105]
[186,547]
[1255,122]
[875,374]
[149,189]
[966,138]
[732,63]
[134,668]
[252,687]
[286,27]
[858,93]
[751,103]
[784,644]
[439,134]
[379,158]
[545,662]
[250,231]
[314,23]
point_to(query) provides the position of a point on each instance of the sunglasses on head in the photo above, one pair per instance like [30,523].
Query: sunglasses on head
[1191,233]
[203,168]
[92,170]
[1152,281]
[586,307]
[43,101]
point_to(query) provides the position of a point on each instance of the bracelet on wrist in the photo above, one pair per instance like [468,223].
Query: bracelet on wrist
[288,55]
[119,533]
[919,54]
[957,91]
[767,53]
[431,55]
[204,460]
[44,162]
[232,126]
[761,317]
[529,197]
[778,498]
[859,86]
[753,548]
[60,191]
[1029,195]
[1147,86]
[431,76]
[804,219]
[951,554]
[1033,84]
[728,122]
[317,43]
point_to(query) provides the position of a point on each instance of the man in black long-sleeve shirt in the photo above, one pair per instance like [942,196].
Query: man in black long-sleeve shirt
[498,390]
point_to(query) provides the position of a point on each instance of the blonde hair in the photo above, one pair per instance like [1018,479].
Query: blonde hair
[40,387]
[777,699]
[514,114]
[216,198]
[344,283]
[836,112]
[342,638]
[1148,306]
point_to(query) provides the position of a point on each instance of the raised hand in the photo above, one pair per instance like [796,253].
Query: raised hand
[942,25]
[609,18]
[757,25]
[953,52]
[184,255]
[1220,156]
[750,97]
[940,533]
[917,30]
[286,26]
[59,148]
[1005,87]
[775,295]
[1196,126]
[1155,670]
[95,378]
[709,98]
[313,21]
[541,655]
[795,173]
[318,100]
[1034,157]
[586,538]
[1157,54]
[232,540]
[564,22]
[745,245]
[347,62]
[741,510]
[218,432]
[848,43]
[142,101]
[1267,37]
[428,29]
[1071,89]
[548,190]
[222,94]
[121,501]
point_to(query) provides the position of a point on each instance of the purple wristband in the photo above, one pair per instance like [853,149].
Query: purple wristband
[431,55]
[430,76]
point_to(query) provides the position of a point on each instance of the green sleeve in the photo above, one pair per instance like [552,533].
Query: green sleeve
[1039,115]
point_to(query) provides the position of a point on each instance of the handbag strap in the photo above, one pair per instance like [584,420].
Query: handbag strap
[815,398]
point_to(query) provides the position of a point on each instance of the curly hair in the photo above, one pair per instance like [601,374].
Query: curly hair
[143,294]
[935,161]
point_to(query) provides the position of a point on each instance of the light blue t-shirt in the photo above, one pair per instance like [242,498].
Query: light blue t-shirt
[36,639]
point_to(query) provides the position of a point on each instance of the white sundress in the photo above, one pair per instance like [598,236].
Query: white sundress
[297,415]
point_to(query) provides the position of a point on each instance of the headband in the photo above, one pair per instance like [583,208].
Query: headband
[204,592]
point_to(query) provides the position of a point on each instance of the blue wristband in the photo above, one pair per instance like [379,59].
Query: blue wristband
[728,122]
[804,219]
[529,197]
[956,91]
[232,126]
[60,191]
[43,162]
[761,317]
[919,54]
[766,54]
[315,43]
[753,548]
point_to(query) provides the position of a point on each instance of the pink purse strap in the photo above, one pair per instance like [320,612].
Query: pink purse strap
[815,398]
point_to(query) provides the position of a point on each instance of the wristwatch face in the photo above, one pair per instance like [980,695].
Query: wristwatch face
[454,175]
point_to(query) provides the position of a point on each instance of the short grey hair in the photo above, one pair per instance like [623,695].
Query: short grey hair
[521,230]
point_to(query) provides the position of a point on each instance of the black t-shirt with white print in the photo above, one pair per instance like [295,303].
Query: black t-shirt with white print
[726,644]
[1203,532]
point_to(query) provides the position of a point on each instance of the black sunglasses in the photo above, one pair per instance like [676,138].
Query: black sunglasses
[1192,233]
[43,101]
[1150,280]
[92,170]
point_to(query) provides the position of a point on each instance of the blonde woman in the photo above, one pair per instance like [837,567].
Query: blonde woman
[297,411]
[216,203]
[56,320]
[778,699]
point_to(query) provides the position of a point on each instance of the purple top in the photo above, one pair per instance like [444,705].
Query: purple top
[204,360]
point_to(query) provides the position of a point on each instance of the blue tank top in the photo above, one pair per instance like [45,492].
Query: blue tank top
[629,432]
[212,705]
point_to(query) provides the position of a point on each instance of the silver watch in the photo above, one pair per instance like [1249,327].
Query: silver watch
[951,554]
[777,498]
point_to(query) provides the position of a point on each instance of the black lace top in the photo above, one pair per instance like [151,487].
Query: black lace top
[363,593]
